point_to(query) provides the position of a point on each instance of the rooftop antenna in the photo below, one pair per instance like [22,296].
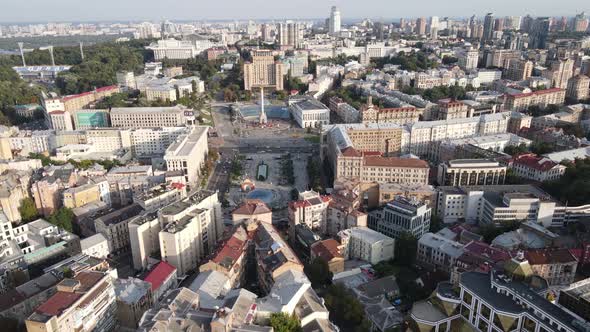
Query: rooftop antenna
[22,53]
[82,50]
[50,49]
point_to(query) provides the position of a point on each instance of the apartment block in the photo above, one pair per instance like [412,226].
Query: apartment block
[366,244]
[84,303]
[147,117]
[188,154]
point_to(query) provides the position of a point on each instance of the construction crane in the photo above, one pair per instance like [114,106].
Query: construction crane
[50,48]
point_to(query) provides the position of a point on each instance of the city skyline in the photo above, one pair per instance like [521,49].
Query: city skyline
[134,10]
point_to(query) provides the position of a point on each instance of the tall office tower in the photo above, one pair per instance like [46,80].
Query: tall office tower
[421,26]
[580,23]
[488,27]
[538,33]
[499,24]
[433,24]
[378,28]
[472,27]
[526,24]
[289,34]
[263,71]
[334,26]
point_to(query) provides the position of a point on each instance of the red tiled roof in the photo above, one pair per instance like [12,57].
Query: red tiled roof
[159,274]
[535,162]
[395,162]
[549,256]
[103,89]
[351,152]
[327,249]
[252,207]
[231,250]
[485,250]
[58,303]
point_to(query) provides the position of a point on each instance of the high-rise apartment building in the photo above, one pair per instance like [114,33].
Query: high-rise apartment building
[421,26]
[191,230]
[289,34]
[263,71]
[334,21]
[488,27]
[538,32]
[518,70]
[578,87]
[560,72]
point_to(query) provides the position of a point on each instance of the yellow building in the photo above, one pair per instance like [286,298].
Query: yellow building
[80,196]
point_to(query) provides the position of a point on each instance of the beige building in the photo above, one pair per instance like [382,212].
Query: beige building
[449,109]
[578,87]
[230,257]
[541,98]
[263,71]
[147,117]
[330,251]
[82,195]
[191,230]
[163,93]
[557,266]
[471,172]
[560,72]
[144,239]
[84,303]
[401,115]
[518,70]
[188,154]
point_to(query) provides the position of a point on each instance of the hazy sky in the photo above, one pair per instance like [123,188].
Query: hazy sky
[96,10]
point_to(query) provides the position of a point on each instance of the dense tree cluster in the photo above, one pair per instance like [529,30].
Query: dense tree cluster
[14,91]
[413,61]
[345,310]
[573,188]
[440,92]
[318,272]
[28,210]
[99,67]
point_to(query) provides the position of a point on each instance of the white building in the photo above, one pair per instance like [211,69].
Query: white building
[178,49]
[334,23]
[190,230]
[147,117]
[151,141]
[144,239]
[366,244]
[60,121]
[504,203]
[310,209]
[310,113]
[95,246]
[188,154]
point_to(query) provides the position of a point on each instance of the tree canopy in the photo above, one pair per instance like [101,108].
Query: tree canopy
[28,210]
[64,218]
[345,310]
[573,188]
[283,322]
[318,273]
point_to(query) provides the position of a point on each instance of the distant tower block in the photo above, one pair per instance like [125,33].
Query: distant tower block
[262,119]
[22,53]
